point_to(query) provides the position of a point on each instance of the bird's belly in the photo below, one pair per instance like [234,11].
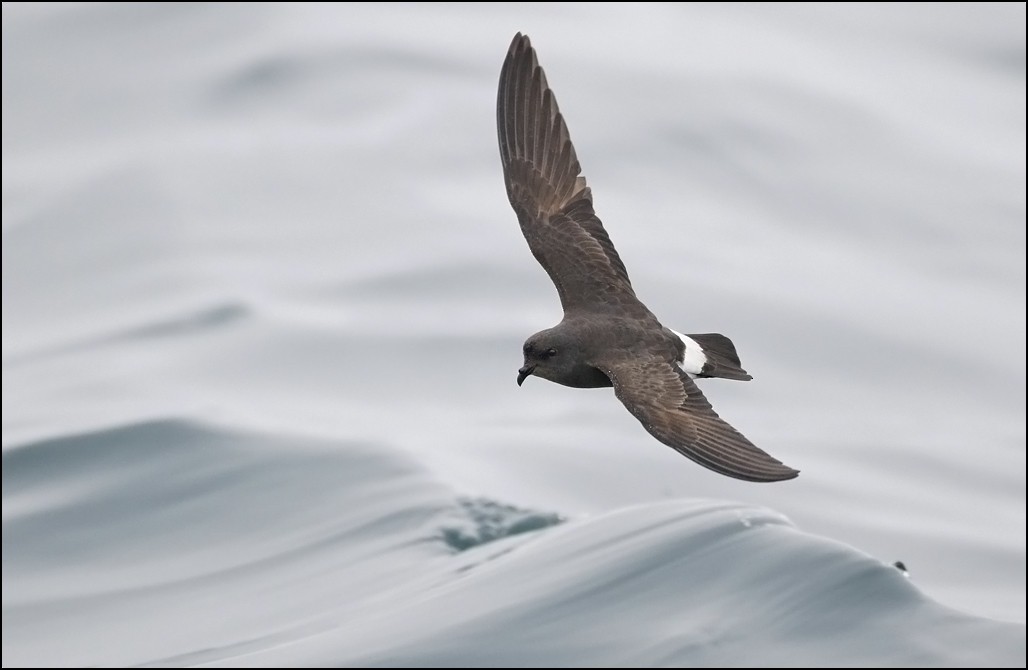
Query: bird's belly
[587,377]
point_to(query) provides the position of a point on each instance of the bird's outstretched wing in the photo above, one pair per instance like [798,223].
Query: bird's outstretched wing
[672,409]
[553,203]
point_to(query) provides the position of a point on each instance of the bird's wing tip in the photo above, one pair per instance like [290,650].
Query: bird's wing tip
[520,40]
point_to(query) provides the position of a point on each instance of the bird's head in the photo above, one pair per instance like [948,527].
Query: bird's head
[547,355]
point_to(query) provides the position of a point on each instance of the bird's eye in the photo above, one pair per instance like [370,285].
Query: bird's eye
[551,352]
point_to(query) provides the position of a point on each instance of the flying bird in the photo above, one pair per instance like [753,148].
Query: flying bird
[607,337]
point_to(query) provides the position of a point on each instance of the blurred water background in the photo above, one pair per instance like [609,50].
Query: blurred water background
[264,298]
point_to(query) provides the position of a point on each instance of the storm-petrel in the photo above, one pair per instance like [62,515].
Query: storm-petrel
[607,336]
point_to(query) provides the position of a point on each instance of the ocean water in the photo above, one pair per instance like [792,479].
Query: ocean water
[264,298]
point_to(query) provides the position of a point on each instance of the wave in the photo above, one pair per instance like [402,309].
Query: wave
[194,543]
[195,321]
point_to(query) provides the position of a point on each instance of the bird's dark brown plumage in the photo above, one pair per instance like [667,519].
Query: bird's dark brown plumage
[553,203]
[606,328]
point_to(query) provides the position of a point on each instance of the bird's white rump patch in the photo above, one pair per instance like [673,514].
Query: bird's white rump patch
[694,358]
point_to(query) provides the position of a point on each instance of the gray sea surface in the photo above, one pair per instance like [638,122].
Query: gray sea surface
[264,300]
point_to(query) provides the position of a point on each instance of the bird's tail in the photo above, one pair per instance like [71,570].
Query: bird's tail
[712,355]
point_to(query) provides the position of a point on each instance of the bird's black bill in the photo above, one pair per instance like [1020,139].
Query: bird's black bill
[524,372]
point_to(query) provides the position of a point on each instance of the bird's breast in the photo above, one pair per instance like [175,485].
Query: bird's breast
[586,377]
